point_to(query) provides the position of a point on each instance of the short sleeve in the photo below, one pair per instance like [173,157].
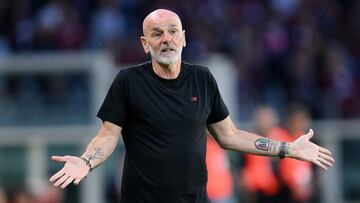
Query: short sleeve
[219,111]
[114,107]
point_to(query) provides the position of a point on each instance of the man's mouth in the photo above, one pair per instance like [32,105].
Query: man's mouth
[167,50]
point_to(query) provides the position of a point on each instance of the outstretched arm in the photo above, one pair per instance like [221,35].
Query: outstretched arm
[99,149]
[229,137]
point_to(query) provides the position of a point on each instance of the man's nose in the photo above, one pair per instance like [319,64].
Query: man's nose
[166,37]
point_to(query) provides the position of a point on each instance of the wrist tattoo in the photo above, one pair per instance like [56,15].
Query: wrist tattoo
[99,154]
[264,144]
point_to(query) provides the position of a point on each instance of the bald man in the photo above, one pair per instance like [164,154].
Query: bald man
[162,109]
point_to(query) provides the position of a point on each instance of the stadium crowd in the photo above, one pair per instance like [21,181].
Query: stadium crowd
[285,50]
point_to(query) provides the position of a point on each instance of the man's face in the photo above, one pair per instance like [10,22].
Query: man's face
[164,39]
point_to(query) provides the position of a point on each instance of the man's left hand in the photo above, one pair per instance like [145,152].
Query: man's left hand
[303,149]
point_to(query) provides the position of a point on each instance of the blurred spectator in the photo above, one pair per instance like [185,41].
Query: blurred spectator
[108,26]
[4,47]
[20,195]
[3,198]
[301,79]
[51,195]
[71,33]
[336,81]
[296,177]
[258,178]
[48,21]
[24,28]
[220,180]
[285,8]
[274,180]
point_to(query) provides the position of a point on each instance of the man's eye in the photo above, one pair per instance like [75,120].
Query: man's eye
[156,34]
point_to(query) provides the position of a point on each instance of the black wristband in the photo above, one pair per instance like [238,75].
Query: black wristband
[87,162]
[283,149]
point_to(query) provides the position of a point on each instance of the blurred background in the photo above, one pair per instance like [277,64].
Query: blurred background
[283,66]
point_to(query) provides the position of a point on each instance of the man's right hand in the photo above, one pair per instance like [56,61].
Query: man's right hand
[74,170]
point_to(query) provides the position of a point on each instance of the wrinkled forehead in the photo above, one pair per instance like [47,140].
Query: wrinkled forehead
[160,21]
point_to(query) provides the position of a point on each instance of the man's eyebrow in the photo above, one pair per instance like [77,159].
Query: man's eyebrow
[174,25]
[154,29]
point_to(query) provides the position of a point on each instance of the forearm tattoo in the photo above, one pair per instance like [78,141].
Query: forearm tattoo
[98,154]
[264,144]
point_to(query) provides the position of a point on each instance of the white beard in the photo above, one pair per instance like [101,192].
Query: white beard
[165,58]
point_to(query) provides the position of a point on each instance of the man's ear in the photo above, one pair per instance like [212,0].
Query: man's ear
[144,44]
[184,44]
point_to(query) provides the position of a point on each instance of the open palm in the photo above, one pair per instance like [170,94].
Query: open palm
[74,170]
[303,149]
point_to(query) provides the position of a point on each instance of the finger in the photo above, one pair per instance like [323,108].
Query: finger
[318,163]
[327,157]
[77,181]
[58,158]
[324,161]
[67,182]
[325,151]
[310,134]
[61,180]
[57,175]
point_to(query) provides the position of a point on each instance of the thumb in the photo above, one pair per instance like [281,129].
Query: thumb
[310,134]
[58,158]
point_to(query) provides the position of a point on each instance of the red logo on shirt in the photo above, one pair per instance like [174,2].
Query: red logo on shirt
[194,98]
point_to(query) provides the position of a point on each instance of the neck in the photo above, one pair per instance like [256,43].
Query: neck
[165,71]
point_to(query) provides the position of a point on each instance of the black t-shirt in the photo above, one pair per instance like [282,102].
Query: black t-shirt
[163,127]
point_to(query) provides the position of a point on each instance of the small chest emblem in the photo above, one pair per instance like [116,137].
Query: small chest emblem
[194,99]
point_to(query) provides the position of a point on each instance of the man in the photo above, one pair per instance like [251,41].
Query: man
[162,109]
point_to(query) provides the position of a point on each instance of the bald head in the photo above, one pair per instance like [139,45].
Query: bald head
[160,16]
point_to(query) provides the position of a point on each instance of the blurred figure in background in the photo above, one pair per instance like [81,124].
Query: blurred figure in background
[220,179]
[270,180]
[20,195]
[296,177]
[258,177]
[108,25]
[2,196]
[51,195]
